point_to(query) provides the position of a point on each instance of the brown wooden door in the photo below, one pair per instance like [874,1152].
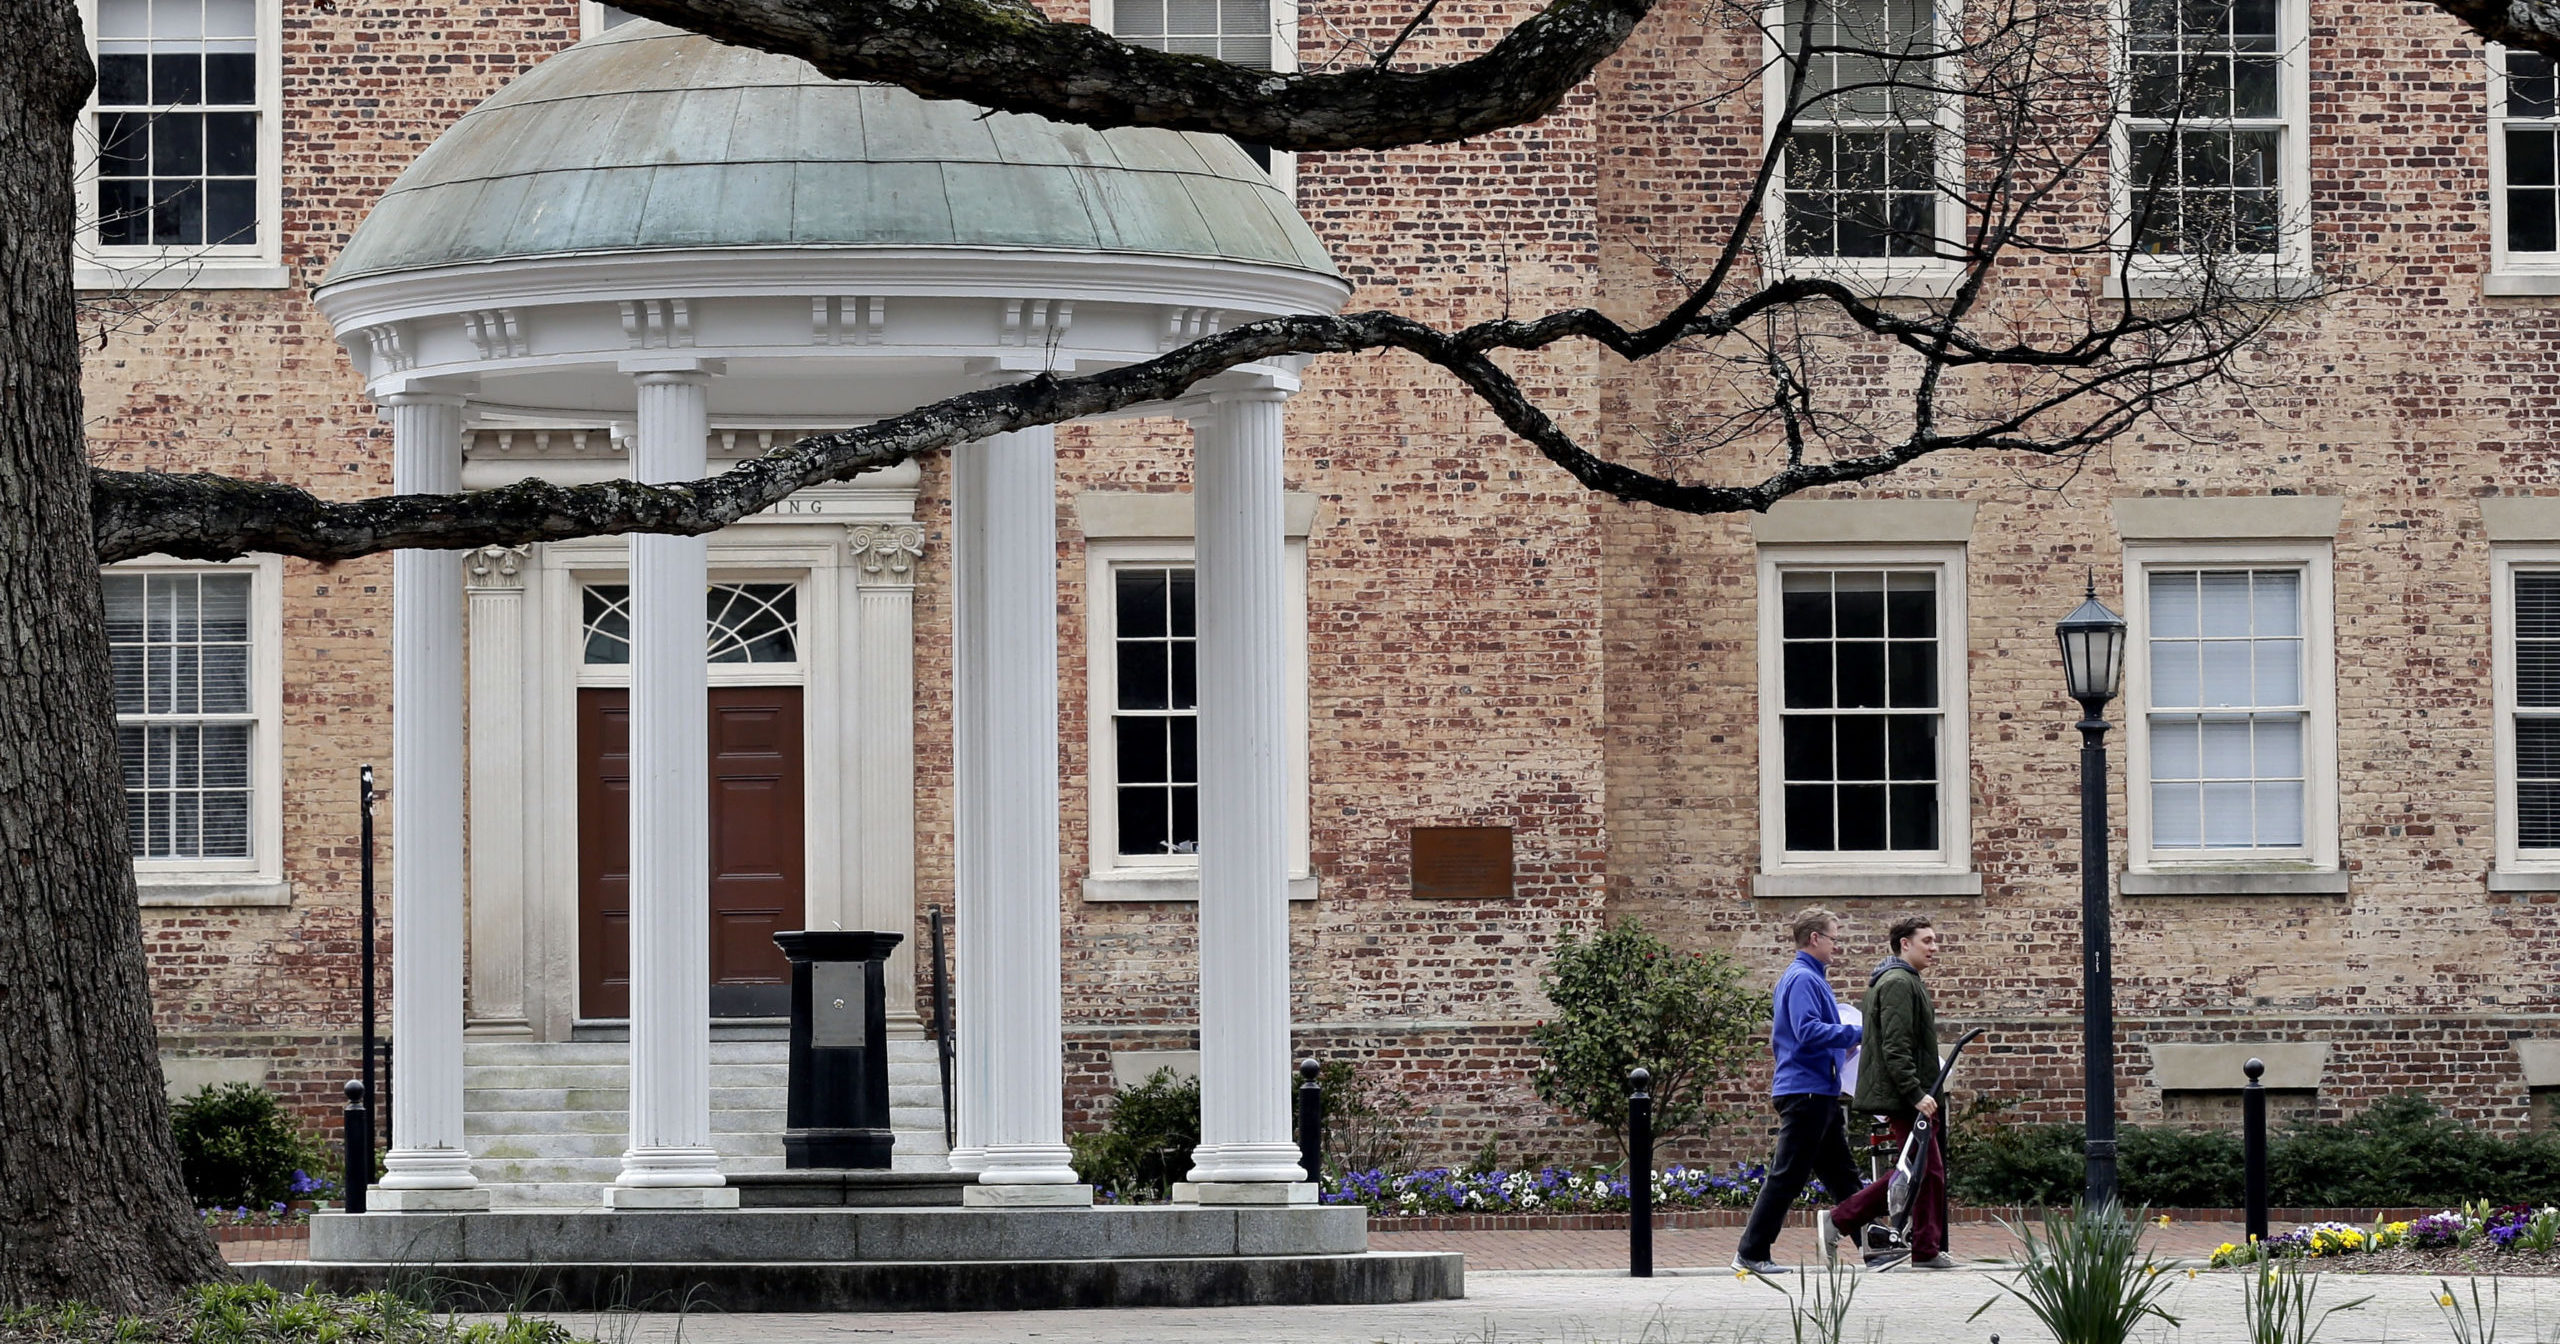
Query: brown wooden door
[757,860]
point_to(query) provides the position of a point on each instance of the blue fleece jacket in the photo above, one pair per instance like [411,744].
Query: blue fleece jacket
[1806,1031]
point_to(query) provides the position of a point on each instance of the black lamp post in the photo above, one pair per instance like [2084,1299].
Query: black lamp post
[2093,640]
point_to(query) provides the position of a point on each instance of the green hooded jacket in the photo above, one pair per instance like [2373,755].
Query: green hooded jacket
[1899,1059]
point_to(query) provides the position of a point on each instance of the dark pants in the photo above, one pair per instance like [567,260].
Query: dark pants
[1813,1142]
[1928,1218]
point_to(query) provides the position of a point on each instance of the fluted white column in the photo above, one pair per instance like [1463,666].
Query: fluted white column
[1006,709]
[430,1169]
[1246,1153]
[670,1162]
[972,1003]
[494,588]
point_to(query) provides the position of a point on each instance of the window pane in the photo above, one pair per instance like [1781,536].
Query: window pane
[177,80]
[2533,223]
[2538,748]
[1183,745]
[2226,749]
[2275,601]
[2177,820]
[2176,749]
[1861,816]
[1142,750]
[224,758]
[1146,821]
[1807,747]
[2277,747]
[2538,672]
[1808,676]
[1911,606]
[2279,813]
[1809,817]
[1182,828]
[2173,606]
[1861,674]
[2279,671]
[2529,85]
[2538,814]
[1185,674]
[2226,672]
[1141,599]
[1912,746]
[1859,605]
[1913,672]
[1806,606]
[2538,604]
[2223,603]
[1145,680]
[2229,815]
[231,144]
[1914,816]
[2176,678]
[1861,745]
[230,78]
[1179,603]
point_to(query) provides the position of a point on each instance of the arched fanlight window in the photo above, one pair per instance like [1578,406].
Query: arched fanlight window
[743,623]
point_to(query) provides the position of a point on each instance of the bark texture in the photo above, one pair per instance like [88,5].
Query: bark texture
[91,1206]
[2529,25]
[1009,57]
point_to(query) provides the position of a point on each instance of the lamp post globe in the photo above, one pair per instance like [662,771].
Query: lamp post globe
[2093,649]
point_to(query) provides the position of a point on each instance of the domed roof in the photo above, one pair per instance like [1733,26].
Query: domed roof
[650,138]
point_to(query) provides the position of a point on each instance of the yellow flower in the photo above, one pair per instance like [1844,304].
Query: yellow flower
[2154,1270]
[2191,1273]
[2164,1220]
[2445,1301]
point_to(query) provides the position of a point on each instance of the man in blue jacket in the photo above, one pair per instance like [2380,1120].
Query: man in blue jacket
[1813,1133]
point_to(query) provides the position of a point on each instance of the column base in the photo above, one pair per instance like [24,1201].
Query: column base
[983,1196]
[670,1197]
[1253,1192]
[967,1160]
[378,1199]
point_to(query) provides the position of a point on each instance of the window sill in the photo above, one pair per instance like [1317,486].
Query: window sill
[2524,879]
[181,274]
[2287,283]
[1913,281]
[1884,884]
[2520,284]
[1177,884]
[202,890]
[2229,882]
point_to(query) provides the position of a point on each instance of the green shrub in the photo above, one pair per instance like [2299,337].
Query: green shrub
[1624,998]
[236,1147]
[1366,1127]
[1145,1143]
[2399,1153]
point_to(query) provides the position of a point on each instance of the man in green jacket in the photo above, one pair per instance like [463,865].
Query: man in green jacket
[1897,1063]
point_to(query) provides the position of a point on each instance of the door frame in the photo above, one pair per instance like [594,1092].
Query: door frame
[762,555]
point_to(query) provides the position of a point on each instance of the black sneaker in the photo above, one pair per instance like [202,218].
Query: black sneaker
[1886,1262]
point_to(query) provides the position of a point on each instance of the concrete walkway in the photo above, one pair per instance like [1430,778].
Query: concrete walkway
[1584,1307]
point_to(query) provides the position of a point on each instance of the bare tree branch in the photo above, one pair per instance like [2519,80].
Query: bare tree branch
[1011,58]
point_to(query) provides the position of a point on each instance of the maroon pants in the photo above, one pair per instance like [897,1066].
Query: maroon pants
[1928,1231]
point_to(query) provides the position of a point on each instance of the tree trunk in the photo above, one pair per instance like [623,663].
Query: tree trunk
[91,1206]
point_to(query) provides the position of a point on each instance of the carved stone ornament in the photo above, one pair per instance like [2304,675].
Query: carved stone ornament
[889,549]
[496,567]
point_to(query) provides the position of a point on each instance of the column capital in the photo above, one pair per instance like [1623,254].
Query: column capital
[673,368]
[1260,391]
[495,567]
[886,552]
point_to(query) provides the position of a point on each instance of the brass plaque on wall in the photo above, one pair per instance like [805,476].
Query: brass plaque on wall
[1462,862]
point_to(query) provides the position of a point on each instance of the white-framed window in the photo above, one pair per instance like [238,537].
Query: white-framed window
[1862,711]
[2524,166]
[1258,34]
[180,182]
[2231,708]
[1871,171]
[199,709]
[1142,738]
[2209,143]
[2526,645]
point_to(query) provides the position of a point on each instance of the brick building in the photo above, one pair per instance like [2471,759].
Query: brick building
[1524,709]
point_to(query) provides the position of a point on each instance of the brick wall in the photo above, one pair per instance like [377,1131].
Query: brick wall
[1489,644]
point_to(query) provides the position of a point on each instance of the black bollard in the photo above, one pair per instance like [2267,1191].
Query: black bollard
[359,1131]
[1311,1121]
[1639,1174]
[2253,1151]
